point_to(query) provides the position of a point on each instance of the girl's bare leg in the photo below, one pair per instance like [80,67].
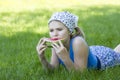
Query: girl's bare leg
[117,49]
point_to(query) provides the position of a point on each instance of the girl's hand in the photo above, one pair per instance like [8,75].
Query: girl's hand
[60,50]
[41,47]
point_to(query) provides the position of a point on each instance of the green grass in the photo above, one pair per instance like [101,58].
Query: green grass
[22,27]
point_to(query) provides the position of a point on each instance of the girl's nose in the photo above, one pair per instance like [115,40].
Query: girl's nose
[55,33]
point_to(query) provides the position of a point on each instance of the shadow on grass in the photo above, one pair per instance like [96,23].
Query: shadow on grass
[18,56]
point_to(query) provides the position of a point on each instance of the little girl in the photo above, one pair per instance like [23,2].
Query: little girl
[73,52]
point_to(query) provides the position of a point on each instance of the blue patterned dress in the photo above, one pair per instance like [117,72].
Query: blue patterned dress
[107,56]
[99,57]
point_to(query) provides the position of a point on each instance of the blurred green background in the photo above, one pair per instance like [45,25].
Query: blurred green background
[24,22]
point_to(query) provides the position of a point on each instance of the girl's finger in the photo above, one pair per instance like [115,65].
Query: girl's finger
[47,39]
[55,44]
[43,42]
[40,51]
[39,41]
[40,47]
[61,44]
[43,46]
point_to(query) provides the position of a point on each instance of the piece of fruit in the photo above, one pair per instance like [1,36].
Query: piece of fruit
[48,43]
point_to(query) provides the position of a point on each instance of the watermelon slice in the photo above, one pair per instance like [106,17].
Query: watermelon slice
[52,40]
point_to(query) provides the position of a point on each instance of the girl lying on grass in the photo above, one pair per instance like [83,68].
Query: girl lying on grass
[73,51]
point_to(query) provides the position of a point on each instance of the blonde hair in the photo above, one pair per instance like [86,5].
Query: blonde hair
[78,32]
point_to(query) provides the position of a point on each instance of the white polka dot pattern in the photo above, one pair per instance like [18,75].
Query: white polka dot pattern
[68,19]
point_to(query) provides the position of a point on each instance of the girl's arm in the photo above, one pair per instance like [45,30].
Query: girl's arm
[80,49]
[45,63]
[54,63]
[54,59]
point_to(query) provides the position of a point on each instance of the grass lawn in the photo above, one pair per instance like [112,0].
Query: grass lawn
[23,23]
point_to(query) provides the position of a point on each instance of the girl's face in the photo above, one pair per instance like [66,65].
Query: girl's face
[58,30]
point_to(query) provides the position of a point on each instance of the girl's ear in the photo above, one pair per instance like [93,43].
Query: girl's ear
[77,32]
[73,34]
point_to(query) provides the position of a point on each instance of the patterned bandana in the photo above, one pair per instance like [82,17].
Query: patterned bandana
[68,19]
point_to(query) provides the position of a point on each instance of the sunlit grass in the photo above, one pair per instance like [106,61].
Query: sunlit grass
[21,5]
[11,23]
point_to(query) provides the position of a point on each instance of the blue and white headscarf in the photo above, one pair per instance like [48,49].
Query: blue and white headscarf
[68,19]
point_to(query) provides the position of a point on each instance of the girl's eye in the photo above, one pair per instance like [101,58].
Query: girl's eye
[59,29]
[51,30]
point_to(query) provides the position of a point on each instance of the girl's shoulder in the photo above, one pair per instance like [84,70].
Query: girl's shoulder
[78,39]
